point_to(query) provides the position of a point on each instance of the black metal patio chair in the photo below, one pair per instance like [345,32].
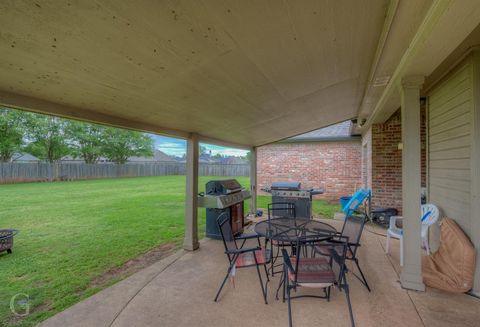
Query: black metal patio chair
[352,229]
[279,210]
[316,272]
[240,257]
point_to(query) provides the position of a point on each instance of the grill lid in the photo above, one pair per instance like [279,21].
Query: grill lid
[287,186]
[226,186]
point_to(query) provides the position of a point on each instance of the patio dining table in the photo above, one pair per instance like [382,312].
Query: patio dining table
[290,230]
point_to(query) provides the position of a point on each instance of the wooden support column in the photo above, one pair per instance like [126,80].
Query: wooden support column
[191,193]
[411,274]
[253,180]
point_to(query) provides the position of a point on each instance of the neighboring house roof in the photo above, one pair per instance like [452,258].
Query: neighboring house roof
[24,157]
[157,156]
[340,131]
[205,157]
[71,159]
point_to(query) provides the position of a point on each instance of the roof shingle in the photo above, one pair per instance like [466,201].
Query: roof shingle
[337,131]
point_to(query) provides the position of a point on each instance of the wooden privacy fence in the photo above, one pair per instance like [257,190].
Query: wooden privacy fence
[36,172]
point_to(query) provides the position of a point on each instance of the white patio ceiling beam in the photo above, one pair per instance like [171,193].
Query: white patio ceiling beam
[446,24]
[16,101]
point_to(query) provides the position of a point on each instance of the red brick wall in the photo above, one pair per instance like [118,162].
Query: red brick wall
[387,163]
[386,159]
[336,166]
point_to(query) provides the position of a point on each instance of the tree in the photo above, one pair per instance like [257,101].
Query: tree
[86,140]
[219,156]
[121,144]
[203,150]
[12,132]
[248,156]
[47,137]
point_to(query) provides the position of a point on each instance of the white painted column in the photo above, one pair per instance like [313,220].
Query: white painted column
[191,212]
[411,274]
[253,180]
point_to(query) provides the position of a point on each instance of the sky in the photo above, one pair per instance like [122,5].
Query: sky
[177,147]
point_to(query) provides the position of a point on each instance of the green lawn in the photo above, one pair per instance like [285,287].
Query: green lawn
[72,232]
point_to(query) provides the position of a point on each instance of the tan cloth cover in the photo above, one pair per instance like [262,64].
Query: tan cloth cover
[452,267]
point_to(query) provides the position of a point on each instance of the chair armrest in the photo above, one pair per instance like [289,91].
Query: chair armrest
[349,244]
[238,251]
[393,222]
[247,236]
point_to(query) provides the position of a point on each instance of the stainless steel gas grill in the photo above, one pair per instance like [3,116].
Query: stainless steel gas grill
[223,196]
[291,192]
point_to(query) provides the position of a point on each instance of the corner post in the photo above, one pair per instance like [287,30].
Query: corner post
[190,242]
[411,274]
[253,180]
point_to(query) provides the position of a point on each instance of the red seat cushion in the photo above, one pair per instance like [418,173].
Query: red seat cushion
[246,259]
[313,270]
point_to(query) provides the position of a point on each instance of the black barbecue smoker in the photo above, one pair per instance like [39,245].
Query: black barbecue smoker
[223,196]
[292,192]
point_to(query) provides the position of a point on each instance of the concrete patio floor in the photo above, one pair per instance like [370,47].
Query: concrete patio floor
[179,291]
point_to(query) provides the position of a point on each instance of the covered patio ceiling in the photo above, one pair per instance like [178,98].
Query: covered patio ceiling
[244,73]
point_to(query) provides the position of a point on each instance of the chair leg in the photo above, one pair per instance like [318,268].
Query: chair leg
[401,251]
[264,292]
[266,272]
[363,276]
[223,283]
[279,286]
[347,295]
[427,248]
[387,245]
[274,257]
[328,294]
[290,323]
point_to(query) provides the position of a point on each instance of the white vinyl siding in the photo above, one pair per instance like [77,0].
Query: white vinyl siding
[449,147]
[454,152]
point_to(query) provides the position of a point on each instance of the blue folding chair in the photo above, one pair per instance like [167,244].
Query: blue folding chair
[357,199]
